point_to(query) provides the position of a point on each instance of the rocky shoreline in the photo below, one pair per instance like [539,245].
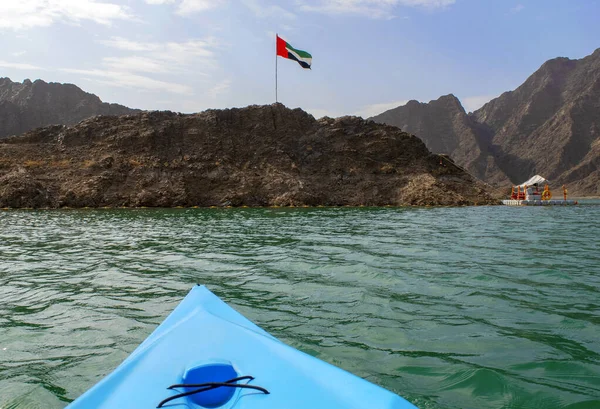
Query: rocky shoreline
[254,156]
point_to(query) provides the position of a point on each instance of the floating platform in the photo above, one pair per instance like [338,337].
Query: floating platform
[513,202]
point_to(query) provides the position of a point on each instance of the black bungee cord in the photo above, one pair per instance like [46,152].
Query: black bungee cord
[203,387]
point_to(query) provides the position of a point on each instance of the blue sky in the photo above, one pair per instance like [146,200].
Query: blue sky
[368,55]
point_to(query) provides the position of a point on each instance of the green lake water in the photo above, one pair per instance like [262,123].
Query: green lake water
[479,307]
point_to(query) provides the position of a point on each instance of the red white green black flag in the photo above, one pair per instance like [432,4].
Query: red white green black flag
[285,50]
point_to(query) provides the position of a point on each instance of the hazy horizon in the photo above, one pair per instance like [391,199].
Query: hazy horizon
[368,55]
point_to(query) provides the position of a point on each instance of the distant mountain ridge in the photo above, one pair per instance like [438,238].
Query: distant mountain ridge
[29,105]
[446,128]
[549,125]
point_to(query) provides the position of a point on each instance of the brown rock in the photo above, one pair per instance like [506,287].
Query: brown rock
[255,156]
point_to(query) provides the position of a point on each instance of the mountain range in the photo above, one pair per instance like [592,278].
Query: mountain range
[550,125]
[29,105]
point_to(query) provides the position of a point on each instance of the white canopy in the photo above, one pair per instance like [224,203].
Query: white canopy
[536,179]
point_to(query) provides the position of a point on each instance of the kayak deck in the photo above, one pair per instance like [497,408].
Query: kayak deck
[203,342]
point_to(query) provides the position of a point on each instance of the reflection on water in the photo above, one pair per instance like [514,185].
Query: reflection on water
[493,307]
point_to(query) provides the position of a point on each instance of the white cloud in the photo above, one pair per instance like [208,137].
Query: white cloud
[187,7]
[144,59]
[517,8]
[287,27]
[19,66]
[376,109]
[124,44]
[432,4]
[19,53]
[169,50]
[474,103]
[378,9]
[135,64]
[192,48]
[263,11]
[163,57]
[129,80]
[24,14]
[220,88]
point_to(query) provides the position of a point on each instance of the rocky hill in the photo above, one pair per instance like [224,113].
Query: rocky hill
[446,128]
[29,105]
[259,155]
[550,125]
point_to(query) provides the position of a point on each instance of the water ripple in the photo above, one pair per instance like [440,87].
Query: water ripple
[492,307]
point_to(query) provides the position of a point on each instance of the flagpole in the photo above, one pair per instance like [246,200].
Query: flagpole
[276,35]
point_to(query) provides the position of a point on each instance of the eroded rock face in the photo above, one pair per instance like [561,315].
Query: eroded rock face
[255,156]
[29,105]
[446,128]
[550,125]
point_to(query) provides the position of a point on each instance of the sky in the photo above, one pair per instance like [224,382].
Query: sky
[368,55]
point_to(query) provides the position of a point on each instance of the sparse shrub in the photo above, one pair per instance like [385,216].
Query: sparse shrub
[387,169]
[135,163]
[61,164]
[33,163]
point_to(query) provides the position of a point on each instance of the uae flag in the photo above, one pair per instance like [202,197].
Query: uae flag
[285,50]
